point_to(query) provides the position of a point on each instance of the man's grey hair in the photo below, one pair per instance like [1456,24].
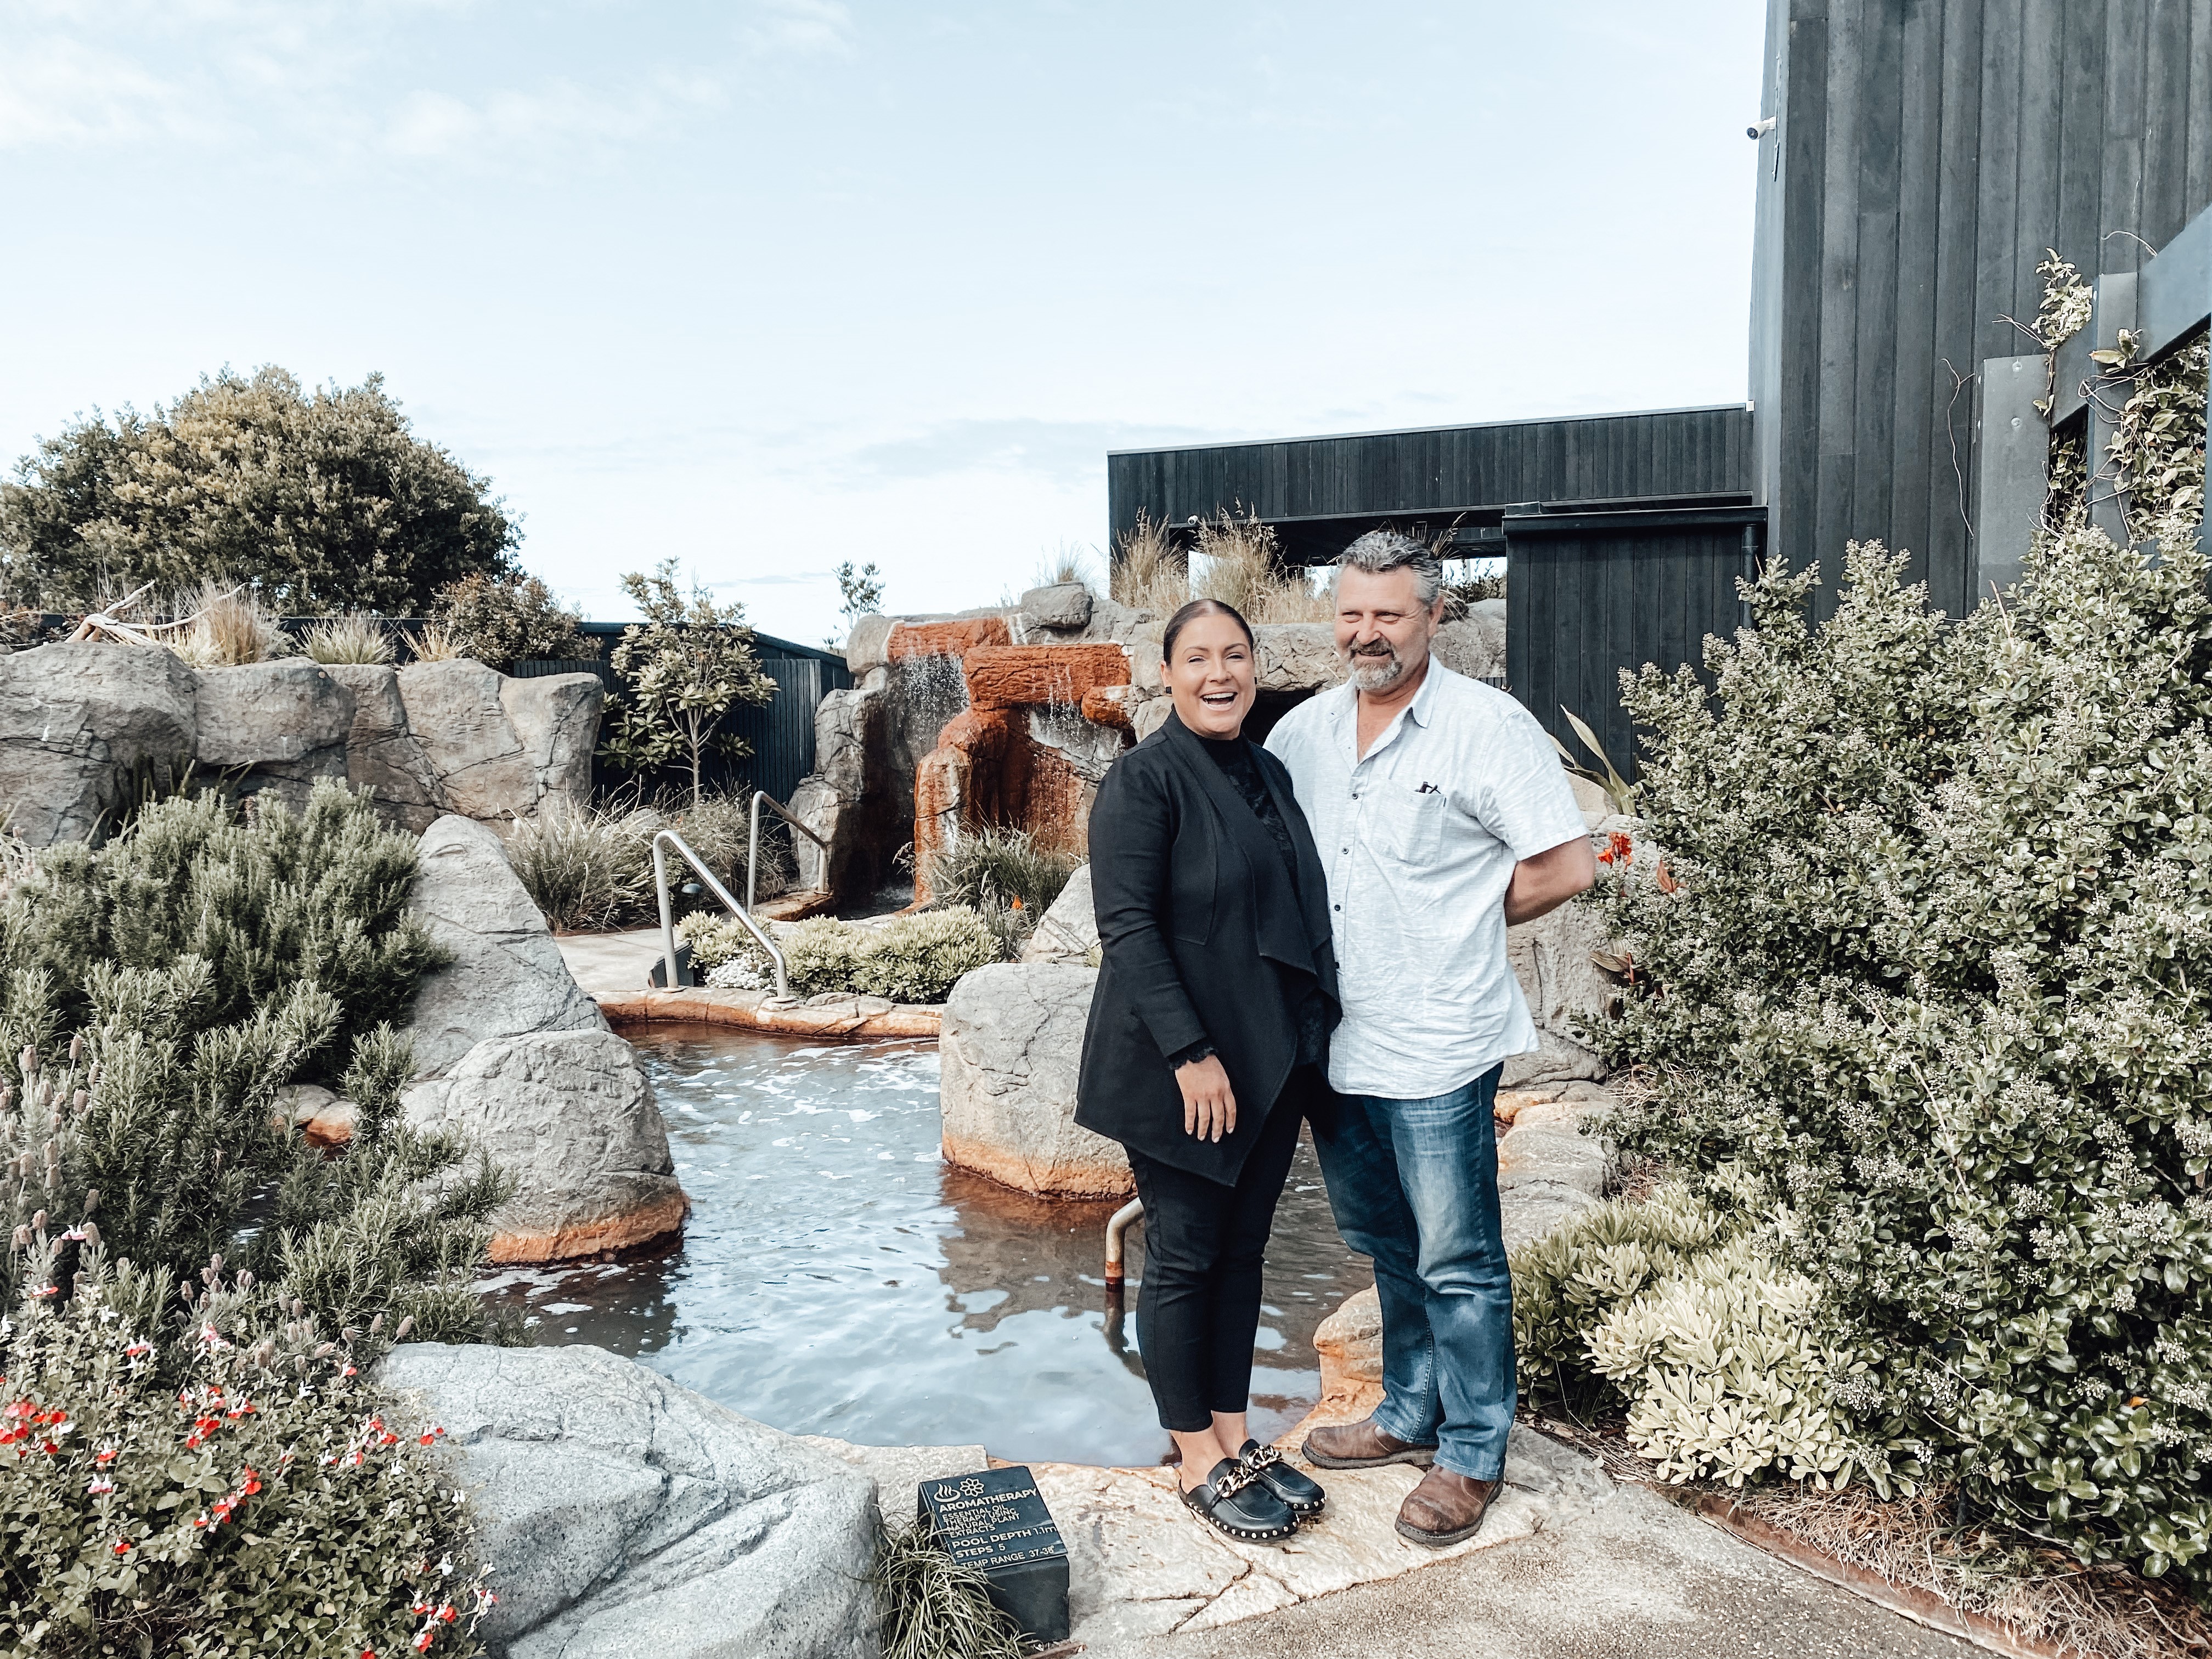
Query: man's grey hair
[1380,551]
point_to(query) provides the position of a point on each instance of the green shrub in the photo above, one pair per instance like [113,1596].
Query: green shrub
[215,1477]
[1925,979]
[914,958]
[501,619]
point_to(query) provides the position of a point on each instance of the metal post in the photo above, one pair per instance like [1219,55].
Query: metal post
[752,843]
[1132,1210]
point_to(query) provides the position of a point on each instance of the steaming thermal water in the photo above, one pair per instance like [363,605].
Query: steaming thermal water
[835,1278]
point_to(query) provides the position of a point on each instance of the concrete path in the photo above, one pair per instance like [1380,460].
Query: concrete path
[1631,1576]
[611,962]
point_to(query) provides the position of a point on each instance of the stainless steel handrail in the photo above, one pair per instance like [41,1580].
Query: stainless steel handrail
[752,843]
[668,916]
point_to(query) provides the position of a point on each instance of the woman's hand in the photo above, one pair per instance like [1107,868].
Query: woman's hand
[1209,1106]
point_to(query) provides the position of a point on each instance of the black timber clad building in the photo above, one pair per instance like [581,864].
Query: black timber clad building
[1923,155]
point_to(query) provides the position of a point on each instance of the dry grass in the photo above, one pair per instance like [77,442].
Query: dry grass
[223,625]
[2105,1613]
[1239,561]
[351,639]
[433,642]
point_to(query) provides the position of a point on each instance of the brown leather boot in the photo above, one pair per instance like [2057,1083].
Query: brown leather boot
[1361,1445]
[1444,1508]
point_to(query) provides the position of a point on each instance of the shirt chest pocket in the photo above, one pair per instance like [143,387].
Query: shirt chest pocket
[1407,825]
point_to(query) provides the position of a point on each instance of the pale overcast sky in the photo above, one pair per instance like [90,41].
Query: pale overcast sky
[773,283]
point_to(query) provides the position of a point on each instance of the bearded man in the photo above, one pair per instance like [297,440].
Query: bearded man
[1441,815]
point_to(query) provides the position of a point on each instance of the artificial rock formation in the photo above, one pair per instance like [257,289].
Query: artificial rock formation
[1010,1040]
[622,1515]
[1027,752]
[79,724]
[506,976]
[85,727]
[1068,930]
[570,1115]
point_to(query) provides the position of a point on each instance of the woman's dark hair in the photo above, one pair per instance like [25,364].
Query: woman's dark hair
[1191,612]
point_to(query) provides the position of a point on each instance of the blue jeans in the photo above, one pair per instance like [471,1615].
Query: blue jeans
[1414,1184]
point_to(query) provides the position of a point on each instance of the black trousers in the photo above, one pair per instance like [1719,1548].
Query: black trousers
[1199,1312]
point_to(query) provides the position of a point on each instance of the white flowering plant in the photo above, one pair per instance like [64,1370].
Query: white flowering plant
[1922,983]
[204,1472]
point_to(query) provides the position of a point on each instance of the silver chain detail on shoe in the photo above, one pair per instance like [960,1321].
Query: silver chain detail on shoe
[1232,1483]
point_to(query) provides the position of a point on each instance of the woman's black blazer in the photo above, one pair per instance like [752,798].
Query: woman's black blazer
[1194,906]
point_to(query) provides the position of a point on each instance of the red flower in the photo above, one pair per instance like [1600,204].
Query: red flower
[252,1482]
[422,1641]
[123,1547]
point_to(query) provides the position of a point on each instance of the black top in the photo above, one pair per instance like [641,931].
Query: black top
[1193,894]
[1309,1009]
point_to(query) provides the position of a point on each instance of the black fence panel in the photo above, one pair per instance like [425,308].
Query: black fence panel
[1592,594]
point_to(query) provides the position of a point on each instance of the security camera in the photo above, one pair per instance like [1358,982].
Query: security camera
[1762,129]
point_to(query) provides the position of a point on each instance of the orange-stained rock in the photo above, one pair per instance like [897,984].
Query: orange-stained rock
[638,1226]
[1009,675]
[1103,706]
[981,732]
[1056,802]
[945,639]
[852,1018]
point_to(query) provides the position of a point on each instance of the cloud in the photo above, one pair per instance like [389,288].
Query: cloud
[63,91]
[437,125]
[804,28]
[1069,451]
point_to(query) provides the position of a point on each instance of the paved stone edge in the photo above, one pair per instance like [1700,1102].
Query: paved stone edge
[843,1019]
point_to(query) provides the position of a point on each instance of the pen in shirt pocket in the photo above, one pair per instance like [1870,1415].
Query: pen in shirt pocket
[1428,789]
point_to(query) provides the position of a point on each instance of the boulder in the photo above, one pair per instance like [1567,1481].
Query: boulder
[381,754]
[1566,991]
[1061,605]
[1475,645]
[1011,1036]
[1350,1342]
[1068,930]
[506,976]
[868,644]
[283,724]
[832,800]
[621,1514]
[557,718]
[570,1115]
[77,722]
[457,714]
[1297,656]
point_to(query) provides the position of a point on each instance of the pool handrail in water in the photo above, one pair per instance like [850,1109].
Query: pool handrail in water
[668,918]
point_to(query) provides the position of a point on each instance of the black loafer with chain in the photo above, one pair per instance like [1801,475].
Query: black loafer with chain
[1235,1503]
[1301,1496]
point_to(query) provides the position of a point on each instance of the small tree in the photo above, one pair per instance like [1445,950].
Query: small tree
[503,620]
[863,590]
[683,668]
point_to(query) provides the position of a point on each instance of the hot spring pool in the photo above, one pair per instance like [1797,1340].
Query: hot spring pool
[836,1278]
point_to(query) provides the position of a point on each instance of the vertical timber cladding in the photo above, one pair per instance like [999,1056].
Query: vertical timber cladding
[1591,594]
[1320,492]
[1927,152]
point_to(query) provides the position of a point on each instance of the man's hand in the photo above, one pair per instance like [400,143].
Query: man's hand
[1542,884]
[1209,1106]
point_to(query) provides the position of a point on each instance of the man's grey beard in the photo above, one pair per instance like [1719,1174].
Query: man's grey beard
[1376,673]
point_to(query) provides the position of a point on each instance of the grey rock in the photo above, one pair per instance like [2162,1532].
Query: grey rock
[1062,605]
[1148,716]
[622,1515]
[1567,992]
[457,713]
[506,976]
[1551,1154]
[1009,1045]
[282,724]
[570,1115]
[1297,656]
[76,721]
[898,1471]
[556,719]
[381,754]
[868,644]
[299,1102]
[833,801]
[1068,930]
[1475,645]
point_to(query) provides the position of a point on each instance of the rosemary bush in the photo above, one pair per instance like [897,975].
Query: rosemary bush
[1920,984]
[914,958]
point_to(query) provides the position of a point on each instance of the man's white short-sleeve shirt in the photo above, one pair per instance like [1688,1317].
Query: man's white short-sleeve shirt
[1419,839]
